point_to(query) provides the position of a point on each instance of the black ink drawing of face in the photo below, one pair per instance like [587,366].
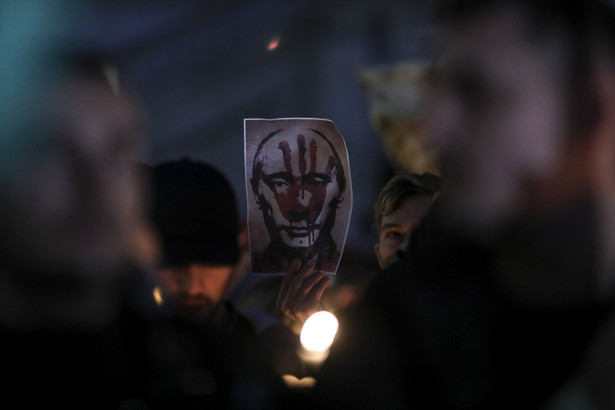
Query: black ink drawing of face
[298,180]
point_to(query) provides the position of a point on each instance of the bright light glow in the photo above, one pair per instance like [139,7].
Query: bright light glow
[273,43]
[293,381]
[319,331]
[158,295]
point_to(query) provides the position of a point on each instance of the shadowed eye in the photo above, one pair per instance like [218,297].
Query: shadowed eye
[394,236]
[279,182]
[315,179]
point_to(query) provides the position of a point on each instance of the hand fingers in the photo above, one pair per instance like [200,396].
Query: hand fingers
[297,282]
[307,297]
[319,289]
[312,281]
[293,269]
[310,301]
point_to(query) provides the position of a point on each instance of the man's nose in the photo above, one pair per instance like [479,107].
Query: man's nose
[297,215]
[304,196]
[403,246]
[194,284]
[298,209]
[89,176]
[447,126]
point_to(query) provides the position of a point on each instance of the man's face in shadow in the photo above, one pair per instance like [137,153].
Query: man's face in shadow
[297,186]
[193,291]
[396,227]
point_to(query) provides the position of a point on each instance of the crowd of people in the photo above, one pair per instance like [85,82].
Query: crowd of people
[495,281]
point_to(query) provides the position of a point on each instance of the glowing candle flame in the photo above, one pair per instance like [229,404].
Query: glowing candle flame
[273,43]
[319,331]
[157,293]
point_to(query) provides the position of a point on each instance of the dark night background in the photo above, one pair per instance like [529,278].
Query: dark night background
[201,67]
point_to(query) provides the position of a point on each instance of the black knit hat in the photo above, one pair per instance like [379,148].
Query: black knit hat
[195,212]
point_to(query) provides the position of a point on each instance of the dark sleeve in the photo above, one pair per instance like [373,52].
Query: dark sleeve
[365,366]
[281,342]
[375,360]
[418,339]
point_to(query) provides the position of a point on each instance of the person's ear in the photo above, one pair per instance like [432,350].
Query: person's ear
[336,201]
[255,190]
[258,202]
[257,195]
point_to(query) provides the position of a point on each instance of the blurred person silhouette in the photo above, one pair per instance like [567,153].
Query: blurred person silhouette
[504,298]
[195,215]
[73,302]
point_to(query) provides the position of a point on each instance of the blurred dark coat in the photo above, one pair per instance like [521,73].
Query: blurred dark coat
[458,324]
[144,360]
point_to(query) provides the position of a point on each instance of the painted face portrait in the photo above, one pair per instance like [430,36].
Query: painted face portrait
[298,184]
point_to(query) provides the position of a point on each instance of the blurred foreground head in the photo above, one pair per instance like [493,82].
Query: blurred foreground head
[524,106]
[73,197]
[69,197]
